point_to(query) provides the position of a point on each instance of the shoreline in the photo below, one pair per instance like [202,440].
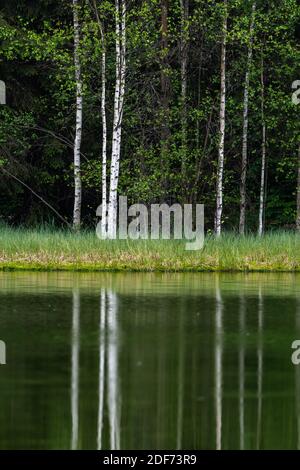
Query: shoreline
[55,250]
[100,269]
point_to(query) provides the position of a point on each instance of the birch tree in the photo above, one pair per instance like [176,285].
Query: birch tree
[220,168]
[104,123]
[120,31]
[245,128]
[263,154]
[78,129]
[104,138]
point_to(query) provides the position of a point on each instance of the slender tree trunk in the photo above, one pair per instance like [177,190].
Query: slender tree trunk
[184,6]
[104,145]
[120,6]
[104,124]
[245,129]
[219,204]
[298,192]
[78,131]
[263,155]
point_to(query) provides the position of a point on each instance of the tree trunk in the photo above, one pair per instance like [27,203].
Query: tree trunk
[245,129]
[219,205]
[104,124]
[298,192]
[118,114]
[104,145]
[78,130]
[263,155]
[184,37]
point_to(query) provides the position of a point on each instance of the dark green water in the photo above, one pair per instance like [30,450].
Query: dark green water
[149,361]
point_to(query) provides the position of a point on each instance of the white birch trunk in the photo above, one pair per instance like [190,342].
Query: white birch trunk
[118,114]
[263,156]
[245,129]
[104,125]
[219,202]
[78,130]
[104,144]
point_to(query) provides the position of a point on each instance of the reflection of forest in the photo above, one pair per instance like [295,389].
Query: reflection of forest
[156,368]
[177,379]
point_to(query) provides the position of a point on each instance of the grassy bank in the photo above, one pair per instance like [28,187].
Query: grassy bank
[48,250]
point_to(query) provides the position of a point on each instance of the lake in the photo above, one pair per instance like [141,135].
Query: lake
[149,361]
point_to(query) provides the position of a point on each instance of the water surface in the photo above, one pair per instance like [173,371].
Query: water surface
[149,361]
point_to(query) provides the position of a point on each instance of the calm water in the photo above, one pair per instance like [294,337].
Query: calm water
[149,361]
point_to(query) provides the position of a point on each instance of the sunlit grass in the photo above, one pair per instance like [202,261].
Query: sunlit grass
[49,249]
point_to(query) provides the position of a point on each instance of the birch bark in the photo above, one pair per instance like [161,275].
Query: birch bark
[263,156]
[104,143]
[104,124]
[120,9]
[245,128]
[78,129]
[219,202]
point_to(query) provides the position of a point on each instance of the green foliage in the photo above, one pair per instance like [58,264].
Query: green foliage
[37,125]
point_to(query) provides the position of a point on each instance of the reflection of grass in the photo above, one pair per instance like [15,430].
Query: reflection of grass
[62,250]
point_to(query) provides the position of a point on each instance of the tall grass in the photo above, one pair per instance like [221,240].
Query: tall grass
[50,249]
